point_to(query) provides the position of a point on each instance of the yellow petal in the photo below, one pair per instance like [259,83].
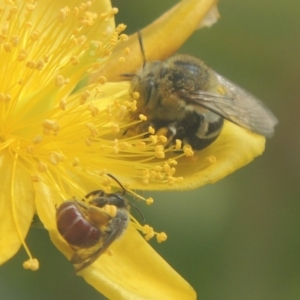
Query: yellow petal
[16,205]
[161,38]
[233,149]
[46,202]
[133,270]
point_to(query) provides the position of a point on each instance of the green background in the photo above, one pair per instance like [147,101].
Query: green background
[239,238]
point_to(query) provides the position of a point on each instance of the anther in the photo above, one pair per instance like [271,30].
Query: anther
[141,145]
[114,11]
[55,158]
[149,232]
[84,96]
[211,159]
[93,129]
[31,264]
[151,130]
[7,47]
[42,167]
[121,27]
[74,60]
[162,139]
[123,37]
[188,151]
[22,55]
[142,117]
[50,125]
[93,109]
[153,139]
[178,144]
[161,237]
[135,95]
[15,40]
[61,81]
[159,151]
[62,104]
[127,50]
[120,114]
[102,79]
[149,201]
[75,162]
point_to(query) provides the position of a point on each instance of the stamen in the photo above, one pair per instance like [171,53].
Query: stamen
[149,232]
[143,117]
[159,151]
[135,95]
[161,237]
[42,167]
[151,130]
[178,144]
[149,201]
[188,151]
[153,139]
[211,159]
[63,104]
[127,51]
[102,79]
[162,138]
[123,37]
[32,263]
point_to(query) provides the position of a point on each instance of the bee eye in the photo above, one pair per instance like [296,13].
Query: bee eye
[116,199]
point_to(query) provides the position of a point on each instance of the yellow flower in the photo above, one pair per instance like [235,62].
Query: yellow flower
[57,143]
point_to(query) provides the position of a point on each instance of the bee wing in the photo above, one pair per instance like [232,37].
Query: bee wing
[82,255]
[237,106]
[85,257]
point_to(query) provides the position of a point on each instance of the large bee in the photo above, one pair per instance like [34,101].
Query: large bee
[190,101]
[87,228]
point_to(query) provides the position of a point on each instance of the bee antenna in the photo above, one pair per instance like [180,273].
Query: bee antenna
[138,210]
[142,47]
[118,182]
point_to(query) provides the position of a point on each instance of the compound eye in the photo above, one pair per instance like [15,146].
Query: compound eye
[116,199]
[100,201]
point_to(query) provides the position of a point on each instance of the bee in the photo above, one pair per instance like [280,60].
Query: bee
[88,229]
[187,100]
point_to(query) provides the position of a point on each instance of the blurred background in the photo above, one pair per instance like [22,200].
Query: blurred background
[239,238]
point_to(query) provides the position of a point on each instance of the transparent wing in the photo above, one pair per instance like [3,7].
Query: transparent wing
[83,255]
[235,105]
